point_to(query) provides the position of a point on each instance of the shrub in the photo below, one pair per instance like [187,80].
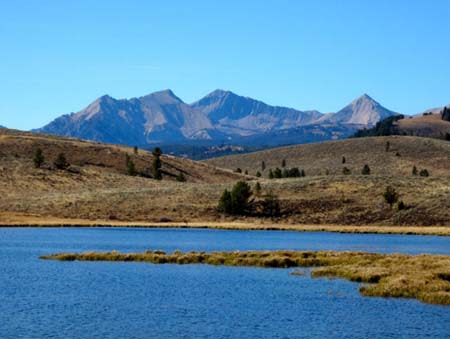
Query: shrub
[238,170]
[401,205]
[246,172]
[257,188]
[343,160]
[346,171]
[424,173]
[365,170]
[271,176]
[414,170]
[283,163]
[387,146]
[277,173]
[258,174]
[38,158]
[271,205]
[263,165]
[285,173]
[181,177]
[135,150]
[390,196]
[61,162]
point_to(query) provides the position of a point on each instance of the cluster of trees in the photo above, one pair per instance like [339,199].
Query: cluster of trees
[392,197]
[293,172]
[240,201]
[382,128]
[60,162]
[423,172]
[156,172]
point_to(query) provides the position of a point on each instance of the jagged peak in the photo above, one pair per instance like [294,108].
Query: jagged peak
[166,94]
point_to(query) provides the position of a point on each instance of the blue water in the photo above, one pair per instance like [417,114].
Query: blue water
[136,300]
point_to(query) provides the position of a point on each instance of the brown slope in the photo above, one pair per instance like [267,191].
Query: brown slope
[326,157]
[431,126]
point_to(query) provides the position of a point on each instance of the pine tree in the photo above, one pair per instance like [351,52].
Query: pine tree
[61,162]
[390,196]
[135,150]
[271,205]
[263,165]
[365,170]
[258,174]
[156,166]
[414,170]
[283,163]
[343,160]
[424,173]
[346,171]
[387,147]
[225,204]
[38,158]
[257,188]
[271,176]
[131,168]
[277,173]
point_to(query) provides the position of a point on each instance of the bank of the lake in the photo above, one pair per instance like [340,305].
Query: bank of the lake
[14,220]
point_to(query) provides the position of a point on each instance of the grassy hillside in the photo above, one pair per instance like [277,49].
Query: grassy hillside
[327,158]
[428,126]
[101,191]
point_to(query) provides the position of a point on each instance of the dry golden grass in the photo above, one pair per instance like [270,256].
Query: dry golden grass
[423,277]
[326,157]
[429,125]
[103,195]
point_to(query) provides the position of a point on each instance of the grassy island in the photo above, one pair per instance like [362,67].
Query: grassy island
[423,277]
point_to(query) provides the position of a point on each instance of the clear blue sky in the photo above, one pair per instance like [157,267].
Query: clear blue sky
[58,56]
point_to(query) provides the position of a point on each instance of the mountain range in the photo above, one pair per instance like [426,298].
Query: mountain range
[221,117]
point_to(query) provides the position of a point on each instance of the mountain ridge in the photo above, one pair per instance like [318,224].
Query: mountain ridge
[219,117]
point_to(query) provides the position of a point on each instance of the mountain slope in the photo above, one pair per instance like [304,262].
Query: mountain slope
[231,113]
[326,157]
[221,117]
[361,111]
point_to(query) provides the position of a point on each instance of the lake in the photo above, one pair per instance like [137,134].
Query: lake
[137,300]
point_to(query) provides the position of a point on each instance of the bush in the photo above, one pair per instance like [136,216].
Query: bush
[271,176]
[283,163]
[365,170]
[271,205]
[424,173]
[38,158]
[343,160]
[238,170]
[414,170]
[401,205]
[263,165]
[181,177]
[258,174]
[61,162]
[346,171]
[390,196]
[135,150]
[277,173]
[257,188]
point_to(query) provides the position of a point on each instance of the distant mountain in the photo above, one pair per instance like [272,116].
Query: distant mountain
[234,114]
[221,117]
[2,126]
[363,111]
[435,110]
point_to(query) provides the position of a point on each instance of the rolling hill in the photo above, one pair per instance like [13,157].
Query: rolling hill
[326,157]
[96,190]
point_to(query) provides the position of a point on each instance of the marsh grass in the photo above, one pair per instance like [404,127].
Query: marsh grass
[423,277]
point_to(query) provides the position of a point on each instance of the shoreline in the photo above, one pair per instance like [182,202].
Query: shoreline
[15,221]
[423,277]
